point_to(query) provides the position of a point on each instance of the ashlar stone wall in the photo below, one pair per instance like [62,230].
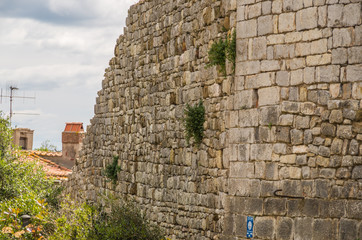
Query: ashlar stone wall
[296,121]
[159,67]
[282,134]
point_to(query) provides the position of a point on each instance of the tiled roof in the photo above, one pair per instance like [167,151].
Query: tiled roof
[51,169]
[74,127]
[47,154]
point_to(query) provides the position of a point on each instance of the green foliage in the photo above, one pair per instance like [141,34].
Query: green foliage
[121,220]
[124,221]
[112,170]
[24,189]
[47,147]
[194,122]
[5,135]
[223,50]
[217,55]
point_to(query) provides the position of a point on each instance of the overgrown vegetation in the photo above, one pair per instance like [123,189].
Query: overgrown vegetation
[26,192]
[194,122]
[112,170]
[122,221]
[223,50]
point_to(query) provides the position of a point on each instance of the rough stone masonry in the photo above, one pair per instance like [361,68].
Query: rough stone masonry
[288,119]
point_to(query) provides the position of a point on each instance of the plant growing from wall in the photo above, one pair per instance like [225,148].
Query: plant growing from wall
[194,122]
[223,50]
[112,170]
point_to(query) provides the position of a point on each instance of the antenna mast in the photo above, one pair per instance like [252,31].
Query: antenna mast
[11,96]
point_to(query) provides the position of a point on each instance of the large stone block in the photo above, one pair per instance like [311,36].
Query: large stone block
[245,99]
[247,68]
[241,135]
[265,227]
[257,48]
[284,51]
[328,73]
[239,187]
[324,229]
[271,171]
[332,209]
[348,229]
[355,55]
[241,50]
[319,46]
[286,22]
[248,118]
[269,96]
[265,25]
[275,206]
[284,228]
[254,206]
[339,56]
[306,18]
[246,29]
[342,37]
[261,151]
[303,228]
[269,115]
[241,170]
[354,73]
[259,80]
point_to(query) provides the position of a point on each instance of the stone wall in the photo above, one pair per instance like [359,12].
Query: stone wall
[296,121]
[289,119]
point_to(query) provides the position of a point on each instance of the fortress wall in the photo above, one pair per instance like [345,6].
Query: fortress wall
[288,119]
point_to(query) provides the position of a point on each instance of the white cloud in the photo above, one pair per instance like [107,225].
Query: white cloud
[57,49]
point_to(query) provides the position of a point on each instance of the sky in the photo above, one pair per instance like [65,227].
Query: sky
[56,51]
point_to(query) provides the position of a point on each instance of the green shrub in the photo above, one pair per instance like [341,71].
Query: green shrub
[24,189]
[117,220]
[112,170]
[222,50]
[194,122]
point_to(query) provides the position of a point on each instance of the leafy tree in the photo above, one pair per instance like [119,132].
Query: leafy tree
[47,147]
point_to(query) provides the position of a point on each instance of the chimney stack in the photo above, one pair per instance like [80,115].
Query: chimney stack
[72,140]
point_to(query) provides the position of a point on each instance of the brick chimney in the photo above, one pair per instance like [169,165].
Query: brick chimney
[72,140]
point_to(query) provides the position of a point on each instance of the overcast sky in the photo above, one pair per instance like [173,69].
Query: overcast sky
[56,50]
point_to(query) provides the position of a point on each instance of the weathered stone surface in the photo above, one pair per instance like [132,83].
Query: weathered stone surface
[306,18]
[324,229]
[269,115]
[269,96]
[261,151]
[246,29]
[303,228]
[348,229]
[357,172]
[265,25]
[284,229]
[245,99]
[289,119]
[264,227]
[328,130]
[274,206]
[286,22]
[342,37]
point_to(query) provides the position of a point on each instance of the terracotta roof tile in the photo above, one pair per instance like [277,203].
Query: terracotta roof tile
[74,127]
[51,169]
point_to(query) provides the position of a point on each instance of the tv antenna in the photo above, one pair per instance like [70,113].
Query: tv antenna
[11,96]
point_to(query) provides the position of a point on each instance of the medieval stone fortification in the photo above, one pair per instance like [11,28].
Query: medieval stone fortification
[289,119]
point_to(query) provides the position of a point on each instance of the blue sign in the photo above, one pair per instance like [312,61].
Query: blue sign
[249,227]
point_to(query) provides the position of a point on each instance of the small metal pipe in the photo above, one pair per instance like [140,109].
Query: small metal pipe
[285,196]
